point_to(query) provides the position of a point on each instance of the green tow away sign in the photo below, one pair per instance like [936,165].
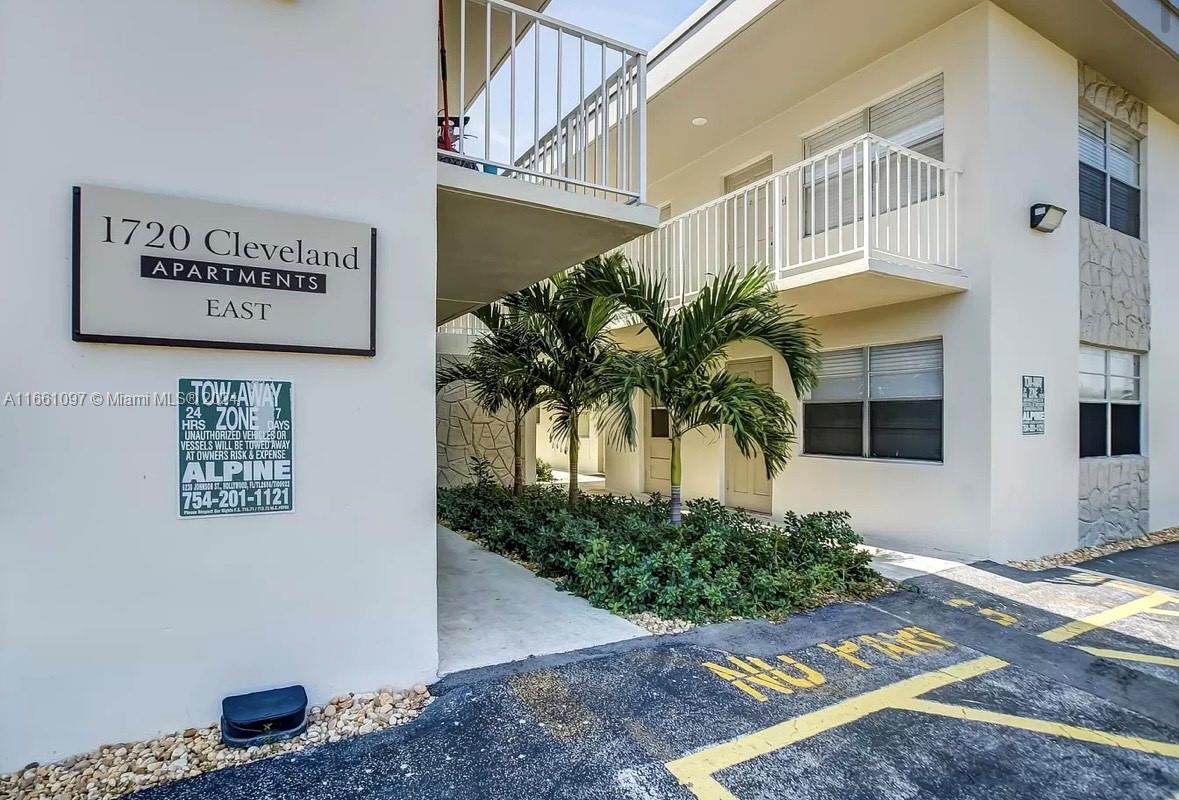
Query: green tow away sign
[235,446]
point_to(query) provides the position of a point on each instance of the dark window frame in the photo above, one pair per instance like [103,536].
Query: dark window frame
[866,401]
[1134,190]
[651,411]
[1108,402]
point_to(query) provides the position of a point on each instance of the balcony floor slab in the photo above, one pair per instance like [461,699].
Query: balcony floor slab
[853,284]
[497,234]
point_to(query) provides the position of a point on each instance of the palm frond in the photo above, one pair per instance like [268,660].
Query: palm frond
[758,418]
[624,374]
[640,292]
[452,372]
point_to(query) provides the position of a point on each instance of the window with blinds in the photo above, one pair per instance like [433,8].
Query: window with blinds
[835,135]
[877,402]
[748,175]
[913,118]
[1111,403]
[1109,165]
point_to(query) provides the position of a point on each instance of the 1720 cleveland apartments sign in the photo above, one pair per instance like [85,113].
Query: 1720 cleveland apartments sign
[160,270]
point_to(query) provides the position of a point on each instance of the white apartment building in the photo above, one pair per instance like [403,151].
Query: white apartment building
[987,389]
[122,614]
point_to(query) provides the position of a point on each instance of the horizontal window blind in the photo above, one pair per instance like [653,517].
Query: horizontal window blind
[909,118]
[1111,402]
[901,416]
[1091,143]
[843,131]
[1122,166]
[1124,208]
[841,375]
[1123,155]
[1092,193]
[841,363]
[911,370]
[909,357]
[1091,121]
[912,116]
[748,175]
[1109,177]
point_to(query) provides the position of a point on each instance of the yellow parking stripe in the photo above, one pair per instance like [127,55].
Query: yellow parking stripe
[1126,655]
[696,771]
[1103,618]
[1041,726]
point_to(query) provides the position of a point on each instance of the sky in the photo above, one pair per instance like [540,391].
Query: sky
[642,23]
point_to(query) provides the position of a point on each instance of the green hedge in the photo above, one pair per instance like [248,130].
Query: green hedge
[621,554]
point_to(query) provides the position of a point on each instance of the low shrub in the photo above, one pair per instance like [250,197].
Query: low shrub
[544,473]
[621,554]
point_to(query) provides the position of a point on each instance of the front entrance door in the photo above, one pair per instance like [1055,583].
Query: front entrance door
[746,484]
[658,468]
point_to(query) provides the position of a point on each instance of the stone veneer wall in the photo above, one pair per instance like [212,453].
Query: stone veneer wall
[1115,312]
[1115,501]
[1110,99]
[1115,288]
[466,431]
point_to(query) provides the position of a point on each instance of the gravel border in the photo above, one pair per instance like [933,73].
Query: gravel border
[117,769]
[1072,557]
[653,623]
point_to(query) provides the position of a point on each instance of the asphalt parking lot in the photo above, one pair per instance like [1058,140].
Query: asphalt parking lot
[1158,565]
[990,682]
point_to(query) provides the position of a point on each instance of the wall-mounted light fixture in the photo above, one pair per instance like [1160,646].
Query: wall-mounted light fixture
[1046,217]
[700,122]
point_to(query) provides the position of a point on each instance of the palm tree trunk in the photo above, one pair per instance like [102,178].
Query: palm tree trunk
[675,482]
[518,457]
[573,443]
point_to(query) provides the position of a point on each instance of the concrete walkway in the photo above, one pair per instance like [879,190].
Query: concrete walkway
[593,484]
[491,610]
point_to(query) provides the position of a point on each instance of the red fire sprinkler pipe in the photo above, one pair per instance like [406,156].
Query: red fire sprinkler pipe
[445,136]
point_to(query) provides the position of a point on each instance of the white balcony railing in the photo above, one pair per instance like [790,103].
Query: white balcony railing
[466,325]
[868,198]
[546,102]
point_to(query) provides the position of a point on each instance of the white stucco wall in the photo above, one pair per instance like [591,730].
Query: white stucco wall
[1035,291]
[119,621]
[1161,164]
[998,494]
[591,453]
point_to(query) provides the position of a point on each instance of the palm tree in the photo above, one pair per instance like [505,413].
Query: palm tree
[571,333]
[499,375]
[685,371]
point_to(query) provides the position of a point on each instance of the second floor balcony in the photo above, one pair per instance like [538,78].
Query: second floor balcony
[867,223]
[541,148]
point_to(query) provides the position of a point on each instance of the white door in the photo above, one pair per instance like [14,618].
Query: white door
[744,226]
[658,433]
[746,484]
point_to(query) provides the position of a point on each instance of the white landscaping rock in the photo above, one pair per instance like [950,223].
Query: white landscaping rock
[1085,553]
[653,623]
[118,769]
